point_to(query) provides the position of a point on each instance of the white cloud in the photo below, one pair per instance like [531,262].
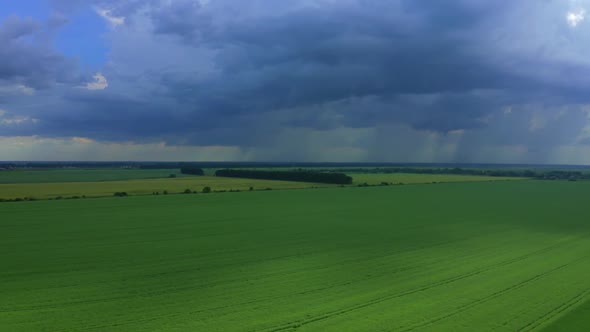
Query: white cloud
[82,140]
[17,120]
[25,90]
[17,89]
[457,132]
[82,148]
[575,17]
[537,122]
[100,83]
[108,16]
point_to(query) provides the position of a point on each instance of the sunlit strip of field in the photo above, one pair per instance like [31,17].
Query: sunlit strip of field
[49,190]
[141,187]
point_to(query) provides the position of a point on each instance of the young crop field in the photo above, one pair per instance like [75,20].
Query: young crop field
[577,319]
[503,256]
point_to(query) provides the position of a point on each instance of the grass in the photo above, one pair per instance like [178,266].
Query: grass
[502,256]
[82,175]
[377,178]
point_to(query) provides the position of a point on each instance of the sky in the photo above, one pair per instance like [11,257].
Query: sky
[302,80]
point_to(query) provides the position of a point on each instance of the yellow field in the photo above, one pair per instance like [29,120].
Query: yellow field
[197,183]
[140,187]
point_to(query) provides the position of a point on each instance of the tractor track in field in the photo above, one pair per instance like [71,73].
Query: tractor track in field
[309,291]
[268,275]
[260,300]
[556,311]
[296,324]
[234,305]
[492,296]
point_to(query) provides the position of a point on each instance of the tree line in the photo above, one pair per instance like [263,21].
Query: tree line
[298,176]
[191,169]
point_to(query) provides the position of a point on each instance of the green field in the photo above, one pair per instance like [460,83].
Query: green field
[396,178]
[577,319]
[504,256]
[83,175]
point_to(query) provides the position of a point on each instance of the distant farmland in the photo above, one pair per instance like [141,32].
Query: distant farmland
[83,175]
[504,256]
[44,184]
[396,178]
[140,187]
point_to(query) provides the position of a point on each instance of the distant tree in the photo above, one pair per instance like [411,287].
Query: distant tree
[206,190]
[117,194]
[188,191]
[172,176]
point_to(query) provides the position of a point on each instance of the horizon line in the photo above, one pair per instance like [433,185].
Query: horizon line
[366,163]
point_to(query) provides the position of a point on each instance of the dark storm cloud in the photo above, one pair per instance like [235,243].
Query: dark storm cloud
[238,73]
[314,55]
[26,56]
[336,51]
